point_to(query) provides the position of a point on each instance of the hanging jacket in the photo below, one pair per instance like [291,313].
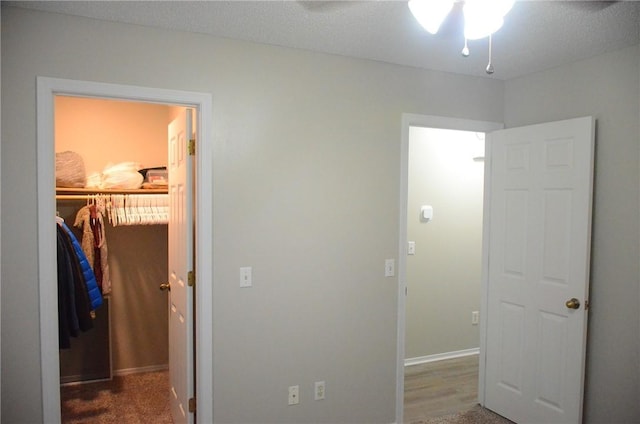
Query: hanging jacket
[90,279]
[87,241]
[74,305]
[94,244]
[67,319]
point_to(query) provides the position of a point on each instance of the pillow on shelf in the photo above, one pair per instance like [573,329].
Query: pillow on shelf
[70,170]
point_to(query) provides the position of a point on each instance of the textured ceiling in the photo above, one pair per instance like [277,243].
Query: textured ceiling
[537,35]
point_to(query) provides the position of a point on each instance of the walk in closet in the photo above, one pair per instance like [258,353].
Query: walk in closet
[130,331]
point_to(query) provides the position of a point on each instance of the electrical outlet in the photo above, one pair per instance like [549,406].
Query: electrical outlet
[475,317]
[319,390]
[294,395]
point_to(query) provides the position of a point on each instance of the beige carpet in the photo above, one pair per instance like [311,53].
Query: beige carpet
[475,415]
[132,399]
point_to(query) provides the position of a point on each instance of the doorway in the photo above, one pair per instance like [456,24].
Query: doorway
[48,88]
[419,121]
[532,343]
[129,342]
[446,169]
[444,271]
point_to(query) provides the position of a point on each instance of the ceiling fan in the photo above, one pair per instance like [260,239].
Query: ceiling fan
[481,18]
[325,6]
[477,19]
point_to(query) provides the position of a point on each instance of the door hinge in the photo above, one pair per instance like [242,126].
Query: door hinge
[192,404]
[191,278]
[192,147]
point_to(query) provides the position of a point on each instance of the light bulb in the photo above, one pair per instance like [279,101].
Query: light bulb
[430,13]
[479,26]
[484,17]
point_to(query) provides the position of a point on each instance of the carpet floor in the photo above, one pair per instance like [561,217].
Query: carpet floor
[475,415]
[132,399]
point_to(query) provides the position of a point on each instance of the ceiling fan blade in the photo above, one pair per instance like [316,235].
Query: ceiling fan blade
[592,6]
[325,6]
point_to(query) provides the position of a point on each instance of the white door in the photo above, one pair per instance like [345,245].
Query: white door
[180,263]
[541,180]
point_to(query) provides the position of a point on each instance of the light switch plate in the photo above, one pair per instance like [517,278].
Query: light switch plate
[245,277]
[412,248]
[389,268]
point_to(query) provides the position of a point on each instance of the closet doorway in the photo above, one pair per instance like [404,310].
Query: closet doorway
[49,90]
[113,139]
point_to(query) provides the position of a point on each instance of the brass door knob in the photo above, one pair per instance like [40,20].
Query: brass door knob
[573,303]
[165,286]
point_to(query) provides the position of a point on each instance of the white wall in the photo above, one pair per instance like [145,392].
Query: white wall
[306,189]
[605,87]
[443,277]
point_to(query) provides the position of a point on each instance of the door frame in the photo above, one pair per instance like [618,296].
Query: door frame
[47,89]
[447,123]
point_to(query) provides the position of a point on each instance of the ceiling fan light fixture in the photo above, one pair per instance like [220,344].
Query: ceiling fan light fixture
[430,13]
[481,18]
[480,26]
[484,17]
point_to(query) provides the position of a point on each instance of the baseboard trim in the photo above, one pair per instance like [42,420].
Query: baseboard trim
[441,356]
[74,380]
[150,368]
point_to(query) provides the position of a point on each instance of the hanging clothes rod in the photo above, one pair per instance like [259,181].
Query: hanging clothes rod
[93,191]
[125,207]
[74,196]
[86,193]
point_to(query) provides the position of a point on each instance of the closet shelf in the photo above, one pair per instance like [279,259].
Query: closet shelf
[86,191]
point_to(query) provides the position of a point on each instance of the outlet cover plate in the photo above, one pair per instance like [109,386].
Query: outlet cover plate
[294,395]
[319,390]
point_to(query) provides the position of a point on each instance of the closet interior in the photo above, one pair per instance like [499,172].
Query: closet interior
[130,329]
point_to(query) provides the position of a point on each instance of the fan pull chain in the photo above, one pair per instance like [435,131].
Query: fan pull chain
[490,69]
[465,49]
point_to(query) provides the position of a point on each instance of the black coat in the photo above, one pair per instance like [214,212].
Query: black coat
[74,306]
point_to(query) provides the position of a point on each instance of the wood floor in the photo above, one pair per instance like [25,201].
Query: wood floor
[440,388]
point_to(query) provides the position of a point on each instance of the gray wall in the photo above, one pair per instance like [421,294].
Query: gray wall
[607,88]
[306,176]
[443,277]
[306,188]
